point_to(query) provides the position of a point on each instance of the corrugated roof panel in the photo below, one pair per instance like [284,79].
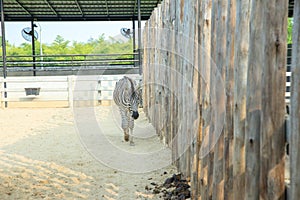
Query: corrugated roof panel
[52,10]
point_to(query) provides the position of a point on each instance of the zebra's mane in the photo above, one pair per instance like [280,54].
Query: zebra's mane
[133,94]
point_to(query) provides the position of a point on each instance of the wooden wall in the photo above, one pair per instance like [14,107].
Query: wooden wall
[214,88]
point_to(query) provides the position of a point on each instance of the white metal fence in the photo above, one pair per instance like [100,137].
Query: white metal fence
[59,91]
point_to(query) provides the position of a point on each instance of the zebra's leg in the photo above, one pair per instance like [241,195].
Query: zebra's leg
[131,126]
[126,135]
[125,128]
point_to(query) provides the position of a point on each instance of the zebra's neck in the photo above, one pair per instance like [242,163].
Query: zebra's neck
[132,87]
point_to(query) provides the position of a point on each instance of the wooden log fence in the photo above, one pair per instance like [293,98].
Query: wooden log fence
[214,88]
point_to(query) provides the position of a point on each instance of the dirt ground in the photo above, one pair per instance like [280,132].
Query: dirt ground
[43,156]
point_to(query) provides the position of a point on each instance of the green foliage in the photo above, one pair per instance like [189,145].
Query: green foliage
[290,30]
[60,46]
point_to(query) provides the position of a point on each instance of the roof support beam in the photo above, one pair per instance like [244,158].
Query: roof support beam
[79,7]
[76,10]
[51,7]
[23,8]
[107,8]
[134,8]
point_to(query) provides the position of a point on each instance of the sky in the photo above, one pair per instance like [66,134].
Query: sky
[72,31]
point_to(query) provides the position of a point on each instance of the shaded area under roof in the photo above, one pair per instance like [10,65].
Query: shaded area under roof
[291,8]
[81,10]
[76,10]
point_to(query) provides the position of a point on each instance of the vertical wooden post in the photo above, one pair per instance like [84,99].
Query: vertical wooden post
[240,77]
[196,162]
[212,84]
[205,86]
[295,106]
[253,103]
[173,80]
[146,68]
[228,135]
[189,84]
[166,29]
[140,36]
[272,147]
[218,174]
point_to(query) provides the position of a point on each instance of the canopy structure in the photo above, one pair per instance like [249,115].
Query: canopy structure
[77,10]
[74,10]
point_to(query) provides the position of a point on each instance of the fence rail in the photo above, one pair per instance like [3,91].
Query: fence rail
[70,62]
[59,91]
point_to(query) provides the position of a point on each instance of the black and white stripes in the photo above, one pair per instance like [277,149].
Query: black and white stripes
[127,98]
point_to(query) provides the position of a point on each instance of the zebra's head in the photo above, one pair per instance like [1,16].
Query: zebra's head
[135,100]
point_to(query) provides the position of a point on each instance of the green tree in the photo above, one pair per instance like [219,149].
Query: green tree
[59,46]
[290,30]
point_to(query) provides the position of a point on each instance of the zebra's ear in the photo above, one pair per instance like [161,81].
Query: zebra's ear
[139,85]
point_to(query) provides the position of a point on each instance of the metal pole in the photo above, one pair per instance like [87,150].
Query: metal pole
[133,28]
[33,47]
[3,52]
[133,42]
[139,37]
[41,46]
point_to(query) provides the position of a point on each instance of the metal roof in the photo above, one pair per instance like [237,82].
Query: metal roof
[76,10]
[291,8]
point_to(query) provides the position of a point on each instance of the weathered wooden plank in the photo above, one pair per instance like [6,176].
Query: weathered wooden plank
[218,175]
[295,106]
[253,102]
[205,86]
[146,70]
[179,89]
[197,131]
[173,80]
[228,134]
[156,66]
[152,66]
[240,77]
[190,97]
[273,101]
[212,85]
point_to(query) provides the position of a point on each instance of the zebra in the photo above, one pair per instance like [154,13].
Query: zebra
[127,97]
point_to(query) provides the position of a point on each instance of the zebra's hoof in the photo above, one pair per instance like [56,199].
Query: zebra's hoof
[132,143]
[126,138]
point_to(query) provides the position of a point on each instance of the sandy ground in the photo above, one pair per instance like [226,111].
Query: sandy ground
[48,154]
